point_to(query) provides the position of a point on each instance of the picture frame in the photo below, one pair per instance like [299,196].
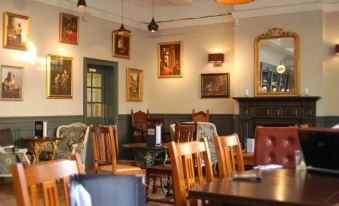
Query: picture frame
[11,83]
[170,59]
[134,84]
[121,44]
[68,29]
[59,77]
[215,85]
[15,31]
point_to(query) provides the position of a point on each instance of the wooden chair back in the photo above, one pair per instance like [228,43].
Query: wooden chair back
[104,147]
[200,116]
[185,132]
[187,168]
[228,150]
[139,123]
[28,180]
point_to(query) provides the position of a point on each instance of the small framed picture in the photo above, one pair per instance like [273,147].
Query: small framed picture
[215,85]
[170,59]
[59,76]
[11,82]
[134,84]
[16,31]
[69,29]
[121,44]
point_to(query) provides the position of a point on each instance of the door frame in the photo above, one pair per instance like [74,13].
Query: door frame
[112,88]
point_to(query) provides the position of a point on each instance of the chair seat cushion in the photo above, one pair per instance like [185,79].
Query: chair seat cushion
[120,168]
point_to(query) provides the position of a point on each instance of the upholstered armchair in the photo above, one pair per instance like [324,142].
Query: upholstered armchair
[9,154]
[71,139]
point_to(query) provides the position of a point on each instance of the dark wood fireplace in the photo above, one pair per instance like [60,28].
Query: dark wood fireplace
[274,111]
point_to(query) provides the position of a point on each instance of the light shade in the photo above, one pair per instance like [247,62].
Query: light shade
[281,68]
[122,29]
[217,59]
[153,26]
[81,4]
[337,49]
[234,1]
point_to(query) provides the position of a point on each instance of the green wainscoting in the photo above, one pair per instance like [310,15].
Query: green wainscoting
[23,127]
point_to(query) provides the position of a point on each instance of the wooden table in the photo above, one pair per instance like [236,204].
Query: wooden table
[277,187]
[144,154]
[38,144]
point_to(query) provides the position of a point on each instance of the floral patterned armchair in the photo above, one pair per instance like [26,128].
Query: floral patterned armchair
[9,154]
[72,138]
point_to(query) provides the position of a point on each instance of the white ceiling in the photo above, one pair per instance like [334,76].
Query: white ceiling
[177,13]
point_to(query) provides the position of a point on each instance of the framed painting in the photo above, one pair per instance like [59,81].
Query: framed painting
[215,85]
[134,84]
[69,29]
[59,76]
[121,44]
[11,82]
[16,31]
[170,59]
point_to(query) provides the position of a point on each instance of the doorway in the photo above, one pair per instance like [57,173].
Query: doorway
[100,101]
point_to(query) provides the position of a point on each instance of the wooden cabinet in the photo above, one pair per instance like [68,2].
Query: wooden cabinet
[274,111]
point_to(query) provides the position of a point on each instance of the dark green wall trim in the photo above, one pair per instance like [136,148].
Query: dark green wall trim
[327,121]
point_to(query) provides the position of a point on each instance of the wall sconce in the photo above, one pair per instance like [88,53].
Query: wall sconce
[337,49]
[216,59]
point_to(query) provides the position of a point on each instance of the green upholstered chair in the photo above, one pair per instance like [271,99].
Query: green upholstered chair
[72,138]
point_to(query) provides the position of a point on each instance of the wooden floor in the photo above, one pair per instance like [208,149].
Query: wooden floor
[7,197]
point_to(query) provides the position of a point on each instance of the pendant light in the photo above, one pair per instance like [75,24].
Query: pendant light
[233,1]
[281,67]
[153,26]
[81,4]
[122,29]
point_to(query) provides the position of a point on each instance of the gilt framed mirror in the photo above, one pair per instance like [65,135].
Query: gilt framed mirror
[276,63]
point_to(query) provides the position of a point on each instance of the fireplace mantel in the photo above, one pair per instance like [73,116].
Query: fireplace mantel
[274,111]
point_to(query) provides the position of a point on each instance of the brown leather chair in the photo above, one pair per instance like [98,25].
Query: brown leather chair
[139,125]
[276,145]
[200,116]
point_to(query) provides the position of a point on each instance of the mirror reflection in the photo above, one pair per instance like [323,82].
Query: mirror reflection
[276,64]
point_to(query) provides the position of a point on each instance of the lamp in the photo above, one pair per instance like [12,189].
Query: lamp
[337,49]
[122,29]
[81,4]
[233,1]
[153,26]
[217,59]
[281,67]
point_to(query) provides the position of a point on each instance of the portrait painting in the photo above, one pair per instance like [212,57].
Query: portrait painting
[121,44]
[170,59]
[68,29]
[215,85]
[11,82]
[134,84]
[16,31]
[59,76]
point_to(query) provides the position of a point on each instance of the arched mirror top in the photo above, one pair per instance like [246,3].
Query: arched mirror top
[276,56]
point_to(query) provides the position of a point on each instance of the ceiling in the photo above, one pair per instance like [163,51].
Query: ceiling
[179,13]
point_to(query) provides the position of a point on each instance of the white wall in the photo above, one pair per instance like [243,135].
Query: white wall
[95,42]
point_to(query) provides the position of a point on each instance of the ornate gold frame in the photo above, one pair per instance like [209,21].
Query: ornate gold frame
[6,43]
[134,84]
[181,55]
[62,28]
[271,34]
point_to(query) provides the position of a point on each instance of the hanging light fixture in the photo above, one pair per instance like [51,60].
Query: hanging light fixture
[153,26]
[233,1]
[281,67]
[81,4]
[122,29]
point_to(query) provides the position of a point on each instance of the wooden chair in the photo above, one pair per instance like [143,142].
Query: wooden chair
[105,152]
[185,132]
[228,149]
[139,123]
[187,169]
[47,175]
[200,116]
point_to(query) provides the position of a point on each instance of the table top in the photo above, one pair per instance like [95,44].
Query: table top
[143,146]
[47,139]
[277,187]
